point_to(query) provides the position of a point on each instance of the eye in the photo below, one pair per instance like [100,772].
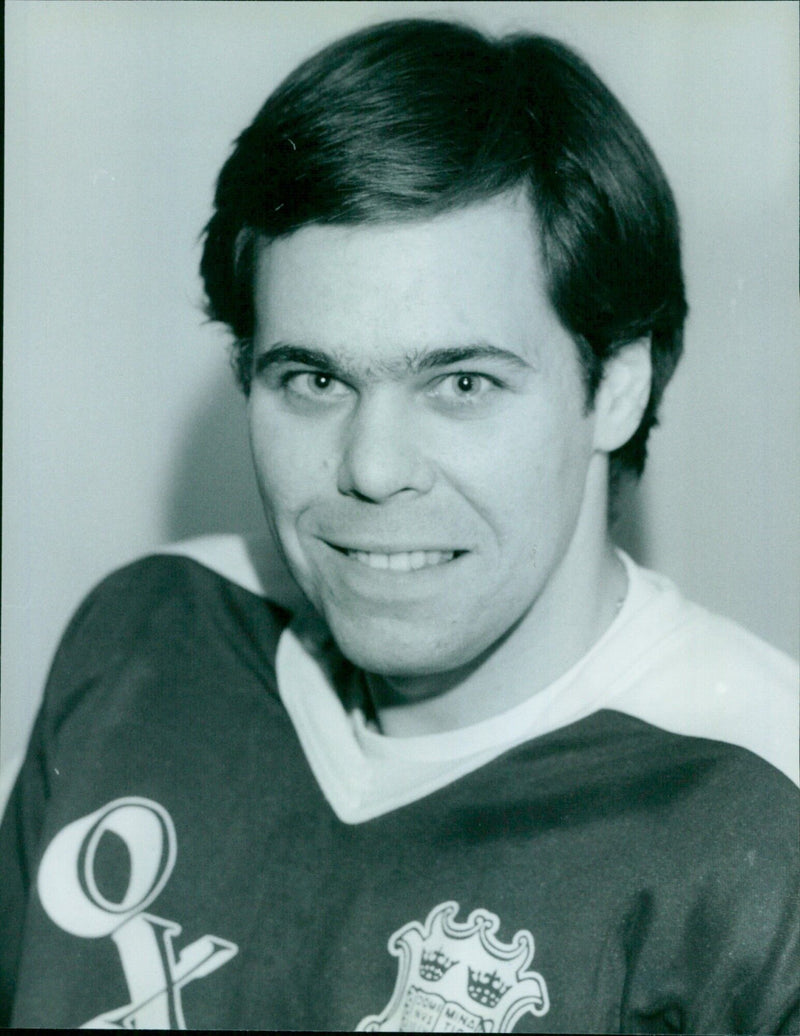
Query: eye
[463,387]
[468,384]
[317,386]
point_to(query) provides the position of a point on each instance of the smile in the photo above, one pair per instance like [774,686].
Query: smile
[401,561]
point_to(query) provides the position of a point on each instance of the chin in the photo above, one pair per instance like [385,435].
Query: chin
[399,653]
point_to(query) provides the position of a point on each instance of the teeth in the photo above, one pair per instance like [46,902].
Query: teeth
[408,561]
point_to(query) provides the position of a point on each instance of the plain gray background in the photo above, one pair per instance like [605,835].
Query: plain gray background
[122,429]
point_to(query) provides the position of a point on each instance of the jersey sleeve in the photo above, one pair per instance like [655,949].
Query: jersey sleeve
[717,951]
[19,837]
[20,830]
[154,601]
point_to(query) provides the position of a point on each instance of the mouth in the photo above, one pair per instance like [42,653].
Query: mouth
[400,561]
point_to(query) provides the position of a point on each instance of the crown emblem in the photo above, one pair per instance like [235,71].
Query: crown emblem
[434,966]
[457,976]
[486,988]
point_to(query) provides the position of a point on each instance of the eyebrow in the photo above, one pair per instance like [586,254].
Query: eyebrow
[412,363]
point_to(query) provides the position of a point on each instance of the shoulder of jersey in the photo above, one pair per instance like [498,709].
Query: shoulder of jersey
[252,562]
[711,678]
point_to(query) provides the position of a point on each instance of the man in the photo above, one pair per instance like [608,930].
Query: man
[462,766]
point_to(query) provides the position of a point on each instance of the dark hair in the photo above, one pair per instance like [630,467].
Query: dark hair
[411,118]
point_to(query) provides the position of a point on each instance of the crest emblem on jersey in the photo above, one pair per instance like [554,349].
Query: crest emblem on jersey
[155,969]
[458,977]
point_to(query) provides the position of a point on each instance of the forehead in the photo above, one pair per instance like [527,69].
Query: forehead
[470,275]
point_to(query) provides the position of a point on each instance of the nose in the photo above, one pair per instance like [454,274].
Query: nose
[383,452]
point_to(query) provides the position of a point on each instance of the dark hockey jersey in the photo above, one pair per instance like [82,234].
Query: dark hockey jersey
[180,849]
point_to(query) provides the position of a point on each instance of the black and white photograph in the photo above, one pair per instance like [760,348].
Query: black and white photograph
[401,494]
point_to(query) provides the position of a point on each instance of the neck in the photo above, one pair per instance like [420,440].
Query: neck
[576,606]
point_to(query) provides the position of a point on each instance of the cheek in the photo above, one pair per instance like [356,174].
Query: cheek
[288,465]
[529,481]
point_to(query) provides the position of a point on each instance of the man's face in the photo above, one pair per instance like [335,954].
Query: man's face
[418,428]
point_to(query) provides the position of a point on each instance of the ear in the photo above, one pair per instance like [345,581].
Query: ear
[622,395]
